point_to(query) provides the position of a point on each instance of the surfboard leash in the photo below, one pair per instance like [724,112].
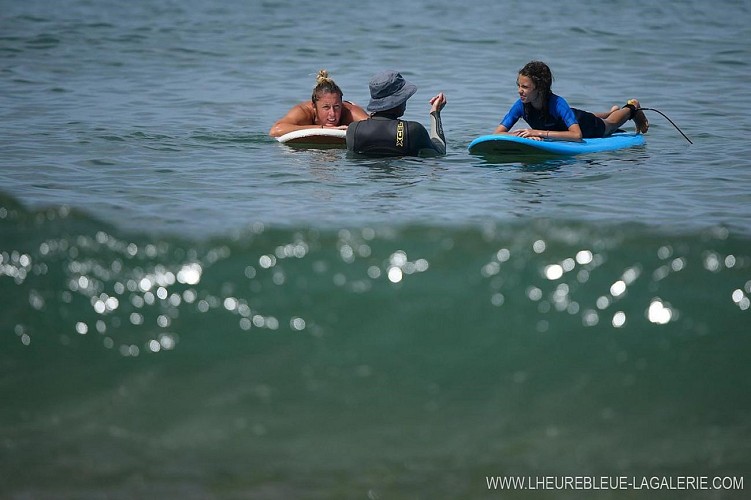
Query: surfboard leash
[668,119]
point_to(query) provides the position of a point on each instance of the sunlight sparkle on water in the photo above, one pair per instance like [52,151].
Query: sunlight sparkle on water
[561,297]
[583,257]
[297,324]
[618,288]
[741,299]
[659,313]
[619,319]
[553,272]
[534,293]
[399,266]
[190,274]
[590,317]
[712,262]
[395,274]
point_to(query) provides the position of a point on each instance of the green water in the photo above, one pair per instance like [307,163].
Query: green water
[330,364]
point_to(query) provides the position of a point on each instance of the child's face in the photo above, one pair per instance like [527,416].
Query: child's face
[526,88]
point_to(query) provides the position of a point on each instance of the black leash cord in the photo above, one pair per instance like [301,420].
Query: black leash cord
[668,119]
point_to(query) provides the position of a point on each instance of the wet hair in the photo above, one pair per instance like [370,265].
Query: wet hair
[325,85]
[541,76]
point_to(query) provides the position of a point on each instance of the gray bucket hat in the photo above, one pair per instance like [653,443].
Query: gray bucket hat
[389,89]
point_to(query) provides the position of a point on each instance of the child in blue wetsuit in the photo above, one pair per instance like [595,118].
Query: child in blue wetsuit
[550,117]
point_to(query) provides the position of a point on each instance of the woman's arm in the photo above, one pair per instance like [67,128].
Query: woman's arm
[297,118]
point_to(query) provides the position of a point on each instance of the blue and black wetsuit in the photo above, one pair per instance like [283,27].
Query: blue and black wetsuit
[383,135]
[559,117]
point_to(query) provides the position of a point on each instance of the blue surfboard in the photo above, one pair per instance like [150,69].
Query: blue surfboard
[513,146]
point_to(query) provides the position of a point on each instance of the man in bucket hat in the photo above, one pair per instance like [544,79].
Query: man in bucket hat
[384,134]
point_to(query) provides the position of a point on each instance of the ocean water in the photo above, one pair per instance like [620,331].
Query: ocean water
[189,309]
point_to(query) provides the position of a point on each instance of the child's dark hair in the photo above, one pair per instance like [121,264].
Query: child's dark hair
[541,76]
[324,85]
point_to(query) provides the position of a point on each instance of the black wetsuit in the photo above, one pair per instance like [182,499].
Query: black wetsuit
[386,136]
[590,125]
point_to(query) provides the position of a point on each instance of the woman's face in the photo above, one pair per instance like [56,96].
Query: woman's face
[329,109]
[527,90]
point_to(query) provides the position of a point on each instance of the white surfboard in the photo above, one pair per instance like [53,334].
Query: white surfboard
[315,136]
